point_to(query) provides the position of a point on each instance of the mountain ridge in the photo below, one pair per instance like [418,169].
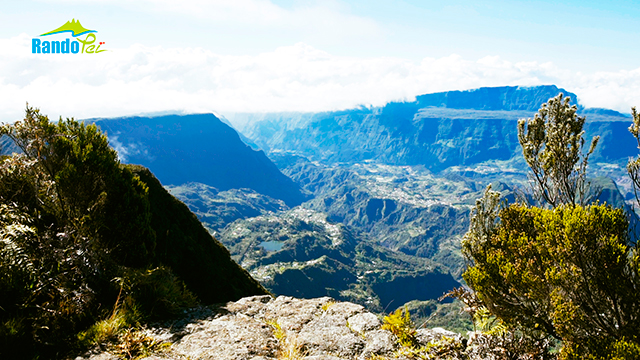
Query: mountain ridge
[437,130]
[495,98]
[197,148]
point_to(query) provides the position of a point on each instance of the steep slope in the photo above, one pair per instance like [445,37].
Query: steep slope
[215,209]
[7,147]
[184,245]
[197,148]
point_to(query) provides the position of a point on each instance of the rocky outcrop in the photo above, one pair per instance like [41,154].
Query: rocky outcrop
[262,328]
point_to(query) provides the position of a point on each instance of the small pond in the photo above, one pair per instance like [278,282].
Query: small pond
[272,245]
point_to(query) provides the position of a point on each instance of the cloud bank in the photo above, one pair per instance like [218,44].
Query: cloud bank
[141,79]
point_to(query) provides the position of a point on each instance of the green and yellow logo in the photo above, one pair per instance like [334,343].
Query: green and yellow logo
[68,45]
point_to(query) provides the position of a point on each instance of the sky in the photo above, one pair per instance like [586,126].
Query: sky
[304,55]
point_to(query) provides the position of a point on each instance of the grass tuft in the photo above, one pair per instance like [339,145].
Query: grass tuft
[328,304]
[135,344]
[288,346]
[277,329]
[291,349]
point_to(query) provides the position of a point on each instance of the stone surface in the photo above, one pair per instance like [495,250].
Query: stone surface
[364,322]
[379,342]
[102,356]
[237,336]
[328,334]
[425,336]
[261,327]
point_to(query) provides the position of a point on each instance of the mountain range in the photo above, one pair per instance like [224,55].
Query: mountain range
[366,204]
[336,192]
[436,130]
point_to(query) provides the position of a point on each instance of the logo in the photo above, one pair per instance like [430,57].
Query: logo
[69,45]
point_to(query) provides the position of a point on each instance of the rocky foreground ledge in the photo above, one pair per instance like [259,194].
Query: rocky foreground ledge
[261,328]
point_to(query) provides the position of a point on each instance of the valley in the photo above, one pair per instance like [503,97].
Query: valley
[367,205]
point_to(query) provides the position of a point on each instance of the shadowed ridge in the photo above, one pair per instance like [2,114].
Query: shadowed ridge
[183,244]
[180,149]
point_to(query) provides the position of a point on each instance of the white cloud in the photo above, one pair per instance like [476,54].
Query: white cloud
[124,151]
[292,78]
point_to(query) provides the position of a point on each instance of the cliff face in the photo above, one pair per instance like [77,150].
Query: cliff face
[197,148]
[494,98]
[437,130]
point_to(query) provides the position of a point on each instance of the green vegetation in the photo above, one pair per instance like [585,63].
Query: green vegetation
[288,346]
[568,272]
[187,248]
[400,324]
[633,166]
[434,313]
[87,246]
[552,145]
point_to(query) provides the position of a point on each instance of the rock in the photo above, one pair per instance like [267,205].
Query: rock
[425,336]
[232,337]
[245,329]
[329,334]
[102,356]
[345,309]
[249,306]
[292,314]
[379,342]
[361,323]
[261,328]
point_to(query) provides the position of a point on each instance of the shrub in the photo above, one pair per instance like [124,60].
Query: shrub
[400,324]
[157,293]
[71,220]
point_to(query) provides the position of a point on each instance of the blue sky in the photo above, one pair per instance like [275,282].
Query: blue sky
[291,55]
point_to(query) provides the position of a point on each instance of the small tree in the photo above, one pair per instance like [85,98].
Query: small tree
[71,219]
[568,272]
[69,173]
[552,144]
